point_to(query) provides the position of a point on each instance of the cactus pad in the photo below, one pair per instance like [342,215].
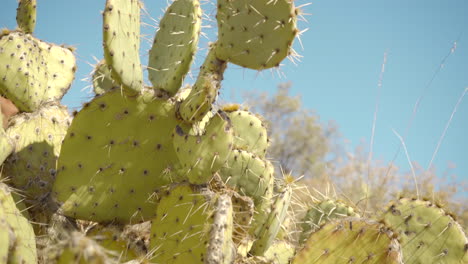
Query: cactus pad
[37,138]
[22,240]
[43,72]
[428,234]
[175,45]
[121,36]
[266,233]
[321,213]
[187,218]
[26,15]
[102,78]
[350,240]
[255,34]
[280,252]
[126,166]
[205,90]
[203,155]
[249,174]
[250,133]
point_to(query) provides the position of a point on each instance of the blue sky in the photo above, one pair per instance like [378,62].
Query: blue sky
[338,74]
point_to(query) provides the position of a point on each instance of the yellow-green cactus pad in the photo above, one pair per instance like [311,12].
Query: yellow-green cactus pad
[201,156]
[250,133]
[256,34]
[113,240]
[280,252]
[26,15]
[428,234]
[205,90]
[267,231]
[108,169]
[37,139]
[6,145]
[33,72]
[323,212]
[350,240]
[175,45]
[249,174]
[192,225]
[102,78]
[22,248]
[121,36]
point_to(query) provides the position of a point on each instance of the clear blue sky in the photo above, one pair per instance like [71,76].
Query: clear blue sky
[338,75]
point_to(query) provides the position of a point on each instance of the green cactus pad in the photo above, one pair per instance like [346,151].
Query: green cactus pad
[114,240]
[108,169]
[6,146]
[102,78]
[37,138]
[23,246]
[250,133]
[34,72]
[121,36]
[188,218]
[321,213]
[350,240]
[428,234]
[248,174]
[255,34]
[175,45]
[6,237]
[205,90]
[280,252]
[203,155]
[266,233]
[26,15]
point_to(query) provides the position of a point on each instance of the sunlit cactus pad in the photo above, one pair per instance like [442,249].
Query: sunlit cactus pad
[102,78]
[121,34]
[428,234]
[175,45]
[33,72]
[107,169]
[188,218]
[321,213]
[37,138]
[350,240]
[18,237]
[256,34]
[26,15]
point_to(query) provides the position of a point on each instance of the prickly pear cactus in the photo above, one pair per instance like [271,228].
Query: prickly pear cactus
[350,240]
[102,78]
[255,34]
[6,145]
[26,15]
[37,139]
[192,225]
[427,233]
[266,233]
[121,34]
[127,165]
[321,213]
[203,155]
[175,45]
[18,235]
[33,72]
[250,132]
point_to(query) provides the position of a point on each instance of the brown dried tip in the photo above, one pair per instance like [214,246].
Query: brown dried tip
[8,110]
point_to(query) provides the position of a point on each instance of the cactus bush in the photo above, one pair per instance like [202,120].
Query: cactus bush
[160,174]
